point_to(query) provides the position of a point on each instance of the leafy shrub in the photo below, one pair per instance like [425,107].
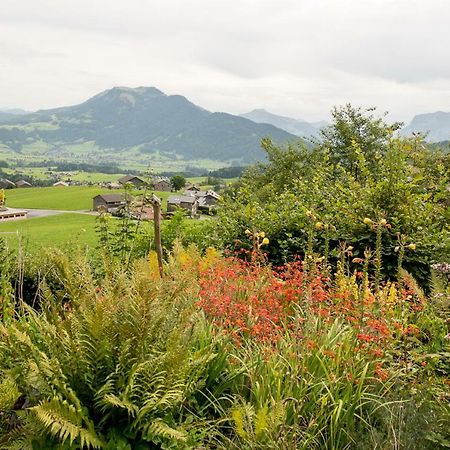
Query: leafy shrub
[314,200]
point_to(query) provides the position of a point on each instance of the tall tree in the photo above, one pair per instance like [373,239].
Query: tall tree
[357,133]
[178,182]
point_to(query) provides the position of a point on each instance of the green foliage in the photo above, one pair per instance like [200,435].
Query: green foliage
[118,362]
[178,182]
[357,133]
[316,199]
[305,394]
[7,297]
[117,358]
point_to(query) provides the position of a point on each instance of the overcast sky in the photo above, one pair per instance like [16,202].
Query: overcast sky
[291,57]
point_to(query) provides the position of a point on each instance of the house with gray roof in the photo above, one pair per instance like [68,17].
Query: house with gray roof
[136,181]
[186,202]
[6,184]
[23,184]
[161,184]
[207,200]
[109,202]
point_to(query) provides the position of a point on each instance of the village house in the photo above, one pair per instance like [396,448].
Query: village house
[60,184]
[136,181]
[162,184]
[191,189]
[108,202]
[6,184]
[207,201]
[22,184]
[186,202]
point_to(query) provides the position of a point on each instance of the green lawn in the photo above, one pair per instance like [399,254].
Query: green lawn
[50,231]
[70,198]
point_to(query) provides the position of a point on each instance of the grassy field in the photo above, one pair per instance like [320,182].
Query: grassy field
[57,230]
[93,177]
[70,198]
[50,231]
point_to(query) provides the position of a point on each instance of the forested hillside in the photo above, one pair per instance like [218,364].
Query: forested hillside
[121,123]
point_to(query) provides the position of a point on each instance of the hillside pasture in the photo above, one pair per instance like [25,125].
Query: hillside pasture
[51,231]
[69,198]
[41,173]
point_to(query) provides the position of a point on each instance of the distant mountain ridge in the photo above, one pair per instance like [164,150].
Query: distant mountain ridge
[294,126]
[11,113]
[435,125]
[142,121]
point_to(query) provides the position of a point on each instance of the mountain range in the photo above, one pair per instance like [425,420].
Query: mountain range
[144,126]
[141,124]
[10,113]
[435,125]
[298,127]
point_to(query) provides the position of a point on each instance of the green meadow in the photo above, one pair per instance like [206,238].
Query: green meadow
[61,229]
[69,198]
[51,231]
[41,173]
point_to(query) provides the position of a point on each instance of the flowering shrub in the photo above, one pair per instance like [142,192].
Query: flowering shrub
[248,300]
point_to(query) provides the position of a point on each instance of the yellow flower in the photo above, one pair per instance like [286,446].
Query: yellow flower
[247,231]
[265,241]
[319,225]
[262,234]
[368,221]
[383,222]
[412,246]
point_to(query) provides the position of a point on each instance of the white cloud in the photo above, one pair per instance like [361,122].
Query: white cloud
[294,57]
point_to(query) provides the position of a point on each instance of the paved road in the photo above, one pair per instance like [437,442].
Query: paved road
[53,212]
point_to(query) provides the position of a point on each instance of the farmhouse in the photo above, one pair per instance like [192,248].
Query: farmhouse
[108,202]
[186,202]
[6,184]
[192,187]
[162,184]
[134,180]
[60,184]
[22,184]
[207,200]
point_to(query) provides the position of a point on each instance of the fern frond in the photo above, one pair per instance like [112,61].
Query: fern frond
[159,428]
[64,421]
[112,400]
[9,393]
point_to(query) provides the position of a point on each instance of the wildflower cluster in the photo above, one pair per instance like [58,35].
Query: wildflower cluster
[250,300]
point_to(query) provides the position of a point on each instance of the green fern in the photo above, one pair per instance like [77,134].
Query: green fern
[129,361]
[65,422]
[9,393]
[159,429]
